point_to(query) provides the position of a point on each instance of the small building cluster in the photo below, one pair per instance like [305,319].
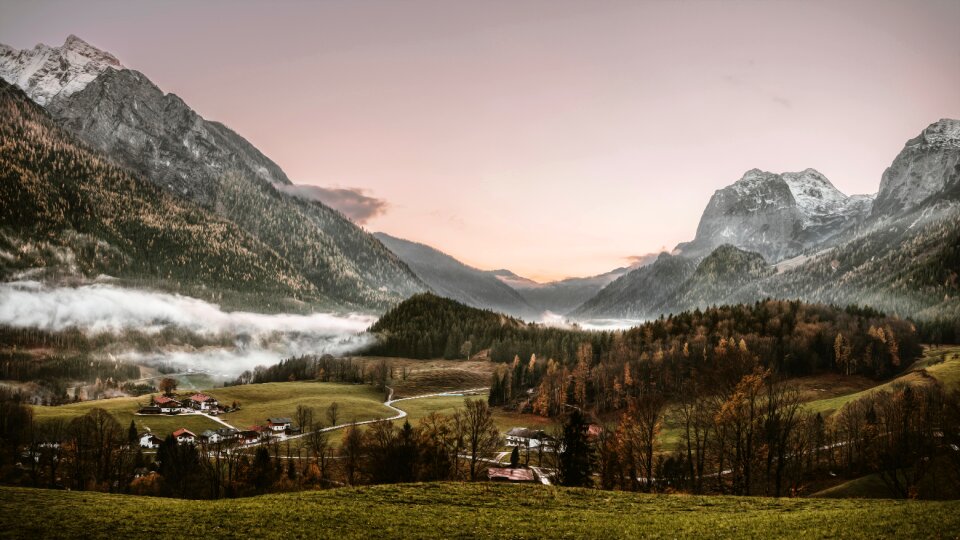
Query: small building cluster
[529,438]
[198,402]
[275,427]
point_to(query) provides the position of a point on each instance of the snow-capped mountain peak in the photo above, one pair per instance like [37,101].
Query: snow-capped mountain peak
[816,196]
[776,215]
[945,132]
[45,72]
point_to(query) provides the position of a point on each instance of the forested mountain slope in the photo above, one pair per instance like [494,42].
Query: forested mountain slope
[66,210]
[124,115]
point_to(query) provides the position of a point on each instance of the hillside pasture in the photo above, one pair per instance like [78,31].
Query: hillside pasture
[124,410]
[456,510]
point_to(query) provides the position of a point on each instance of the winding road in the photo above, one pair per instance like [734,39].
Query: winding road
[389,403]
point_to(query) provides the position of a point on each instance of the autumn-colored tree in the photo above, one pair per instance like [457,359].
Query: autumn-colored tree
[168,386]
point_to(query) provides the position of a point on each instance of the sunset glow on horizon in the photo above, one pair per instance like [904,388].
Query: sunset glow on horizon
[554,139]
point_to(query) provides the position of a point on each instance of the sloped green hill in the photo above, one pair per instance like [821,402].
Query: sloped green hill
[480,510]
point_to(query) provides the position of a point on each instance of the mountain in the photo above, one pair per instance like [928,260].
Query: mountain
[637,294]
[925,171]
[451,278]
[67,211]
[776,215]
[559,297]
[122,114]
[46,72]
[718,276]
[901,254]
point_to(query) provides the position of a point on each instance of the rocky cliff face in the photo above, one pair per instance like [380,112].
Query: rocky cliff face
[926,169]
[46,72]
[776,215]
[125,115]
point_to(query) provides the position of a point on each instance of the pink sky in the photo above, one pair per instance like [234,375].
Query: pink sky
[552,138]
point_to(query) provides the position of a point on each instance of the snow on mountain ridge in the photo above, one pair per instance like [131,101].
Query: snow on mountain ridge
[46,72]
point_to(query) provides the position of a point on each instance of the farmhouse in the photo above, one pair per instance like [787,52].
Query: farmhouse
[167,405]
[202,402]
[278,425]
[249,436]
[149,409]
[221,435]
[497,474]
[183,435]
[149,440]
[528,438]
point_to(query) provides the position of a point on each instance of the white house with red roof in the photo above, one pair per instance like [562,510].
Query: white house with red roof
[167,405]
[184,436]
[279,425]
[202,402]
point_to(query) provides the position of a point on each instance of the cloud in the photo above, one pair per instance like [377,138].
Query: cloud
[259,339]
[354,203]
[637,261]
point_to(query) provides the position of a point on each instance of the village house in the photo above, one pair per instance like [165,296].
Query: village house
[210,437]
[249,436]
[222,435]
[149,409]
[498,474]
[278,425]
[149,440]
[167,405]
[528,438]
[184,436]
[202,402]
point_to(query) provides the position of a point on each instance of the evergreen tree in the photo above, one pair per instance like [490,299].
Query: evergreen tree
[576,452]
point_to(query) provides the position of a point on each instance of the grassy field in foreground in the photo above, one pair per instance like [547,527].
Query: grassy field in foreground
[467,510]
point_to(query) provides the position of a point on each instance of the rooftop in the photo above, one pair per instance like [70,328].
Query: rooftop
[512,475]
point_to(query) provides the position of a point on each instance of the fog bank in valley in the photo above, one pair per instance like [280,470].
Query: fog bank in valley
[258,339]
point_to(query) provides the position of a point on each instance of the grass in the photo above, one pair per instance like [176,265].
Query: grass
[452,510]
[258,402]
[419,408]
[434,376]
[942,363]
[123,410]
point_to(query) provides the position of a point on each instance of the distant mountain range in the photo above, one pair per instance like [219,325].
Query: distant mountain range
[451,278]
[498,290]
[786,235]
[793,235]
[158,137]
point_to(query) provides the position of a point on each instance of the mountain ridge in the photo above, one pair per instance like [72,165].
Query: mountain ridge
[122,114]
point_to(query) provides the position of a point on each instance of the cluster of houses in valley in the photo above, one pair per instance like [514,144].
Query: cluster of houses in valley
[206,404]
[199,402]
[226,435]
